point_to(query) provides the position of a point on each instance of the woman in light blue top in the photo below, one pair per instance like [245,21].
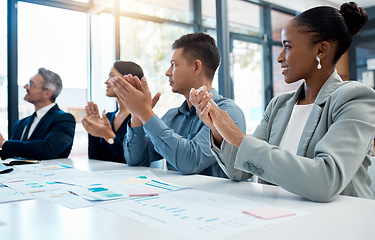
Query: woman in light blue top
[317,141]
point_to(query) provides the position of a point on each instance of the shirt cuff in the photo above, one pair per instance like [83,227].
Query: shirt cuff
[214,146]
[154,127]
[133,134]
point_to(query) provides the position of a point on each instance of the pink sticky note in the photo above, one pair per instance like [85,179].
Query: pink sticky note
[142,192]
[268,212]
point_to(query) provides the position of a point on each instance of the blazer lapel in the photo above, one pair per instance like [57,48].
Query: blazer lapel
[309,129]
[44,119]
[280,123]
[332,83]
[282,118]
[19,129]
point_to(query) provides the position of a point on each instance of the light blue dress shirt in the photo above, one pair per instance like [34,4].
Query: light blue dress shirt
[181,138]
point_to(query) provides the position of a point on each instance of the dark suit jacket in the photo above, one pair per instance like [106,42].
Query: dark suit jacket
[51,138]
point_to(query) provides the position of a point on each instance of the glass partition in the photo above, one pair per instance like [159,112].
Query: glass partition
[177,10]
[209,13]
[248,81]
[244,17]
[56,39]
[151,48]
[278,20]
[365,62]
[3,70]
[103,57]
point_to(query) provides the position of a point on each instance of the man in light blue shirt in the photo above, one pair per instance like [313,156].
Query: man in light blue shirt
[179,136]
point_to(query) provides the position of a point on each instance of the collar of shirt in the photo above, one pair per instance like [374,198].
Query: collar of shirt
[41,112]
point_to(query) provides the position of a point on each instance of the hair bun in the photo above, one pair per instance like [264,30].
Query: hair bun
[355,17]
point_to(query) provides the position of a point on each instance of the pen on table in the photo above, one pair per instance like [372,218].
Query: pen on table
[71,184]
[73,193]
[7,170]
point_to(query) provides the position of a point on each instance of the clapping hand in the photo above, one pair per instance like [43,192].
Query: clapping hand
[136,96]
[1,140]
[92,113]
[217,120]
[95,125]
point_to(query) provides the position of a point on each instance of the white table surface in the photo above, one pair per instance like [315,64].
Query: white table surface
[343,218]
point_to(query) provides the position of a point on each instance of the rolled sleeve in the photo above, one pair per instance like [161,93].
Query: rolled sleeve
[138,149]
[154,127]
[189,156]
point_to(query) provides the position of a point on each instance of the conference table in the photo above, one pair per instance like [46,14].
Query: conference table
[343,218]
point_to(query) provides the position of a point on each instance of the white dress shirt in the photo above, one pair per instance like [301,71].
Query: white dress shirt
[39,115]
[294,129]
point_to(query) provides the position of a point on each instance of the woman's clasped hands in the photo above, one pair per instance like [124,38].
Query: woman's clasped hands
[219,121]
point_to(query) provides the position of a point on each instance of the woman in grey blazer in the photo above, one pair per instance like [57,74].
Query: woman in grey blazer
[317,141]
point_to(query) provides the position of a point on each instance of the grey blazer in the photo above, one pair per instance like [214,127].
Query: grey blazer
[334,150]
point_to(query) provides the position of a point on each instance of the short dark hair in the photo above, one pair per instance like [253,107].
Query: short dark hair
[200,46]
[125,68]
[330,24]
[52,81]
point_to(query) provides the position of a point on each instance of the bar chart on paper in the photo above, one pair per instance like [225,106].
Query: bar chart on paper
[73,188]
[209,216]
[8,194]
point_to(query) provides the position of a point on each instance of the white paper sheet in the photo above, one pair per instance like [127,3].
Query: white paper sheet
[76,189]
[9,195]
[194,214]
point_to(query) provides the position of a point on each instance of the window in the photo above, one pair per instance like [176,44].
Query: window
[103,57]
[248,81]
[278,20]
[215,82]
[209,13]
[57,40]
[244,17]
[365,62]
[177,10]
[3,70]
[151,48]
